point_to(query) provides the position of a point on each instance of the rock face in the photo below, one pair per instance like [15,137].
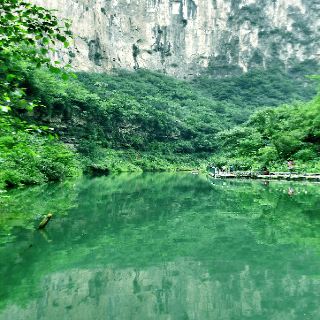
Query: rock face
[186,37]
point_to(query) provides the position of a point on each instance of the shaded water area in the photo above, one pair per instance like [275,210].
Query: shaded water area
[161,246]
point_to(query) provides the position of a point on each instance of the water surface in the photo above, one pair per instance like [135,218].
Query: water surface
[161,246]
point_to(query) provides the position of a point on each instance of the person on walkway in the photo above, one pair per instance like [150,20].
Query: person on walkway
[290,166]
[265,171]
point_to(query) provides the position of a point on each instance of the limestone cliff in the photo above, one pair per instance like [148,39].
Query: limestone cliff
[184,37]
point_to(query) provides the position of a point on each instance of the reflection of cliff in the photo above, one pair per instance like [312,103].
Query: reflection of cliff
[176,290]
[167,246]
[182,37]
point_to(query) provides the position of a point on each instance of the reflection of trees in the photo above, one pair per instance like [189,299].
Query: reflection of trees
[128,238]
[275,216]
[23,208]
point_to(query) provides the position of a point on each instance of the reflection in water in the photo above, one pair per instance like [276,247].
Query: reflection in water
[165,246]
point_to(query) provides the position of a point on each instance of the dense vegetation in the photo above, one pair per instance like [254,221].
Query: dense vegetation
[125,122]
[259,88]
[273,136]
[27,156]
[28,153]
[54,126]
[143,120]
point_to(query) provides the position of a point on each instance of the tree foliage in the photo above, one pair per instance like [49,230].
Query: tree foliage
[28,151]
[274,135]
[129,120]
[259,88]
[27,34]
[147,120]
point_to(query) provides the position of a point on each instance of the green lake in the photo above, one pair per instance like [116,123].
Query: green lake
[161,246]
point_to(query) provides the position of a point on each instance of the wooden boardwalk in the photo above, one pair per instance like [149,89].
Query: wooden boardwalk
[271,176]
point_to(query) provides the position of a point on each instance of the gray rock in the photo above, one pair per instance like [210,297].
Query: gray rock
[185,37]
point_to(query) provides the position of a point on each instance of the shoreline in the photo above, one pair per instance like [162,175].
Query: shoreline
[272,176]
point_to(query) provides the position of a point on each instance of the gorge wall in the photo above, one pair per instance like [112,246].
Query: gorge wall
[186,37]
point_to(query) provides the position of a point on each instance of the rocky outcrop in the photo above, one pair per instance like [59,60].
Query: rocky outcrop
[185,37]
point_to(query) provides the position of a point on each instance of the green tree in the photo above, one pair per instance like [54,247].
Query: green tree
[28,155]
[27,34]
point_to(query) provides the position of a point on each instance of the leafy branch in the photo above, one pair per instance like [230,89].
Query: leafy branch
[28,33]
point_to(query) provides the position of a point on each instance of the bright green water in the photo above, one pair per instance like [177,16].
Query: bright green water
[161,246]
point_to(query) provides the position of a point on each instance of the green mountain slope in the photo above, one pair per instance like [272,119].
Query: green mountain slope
[128,121]
[273,136]
[151,113]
